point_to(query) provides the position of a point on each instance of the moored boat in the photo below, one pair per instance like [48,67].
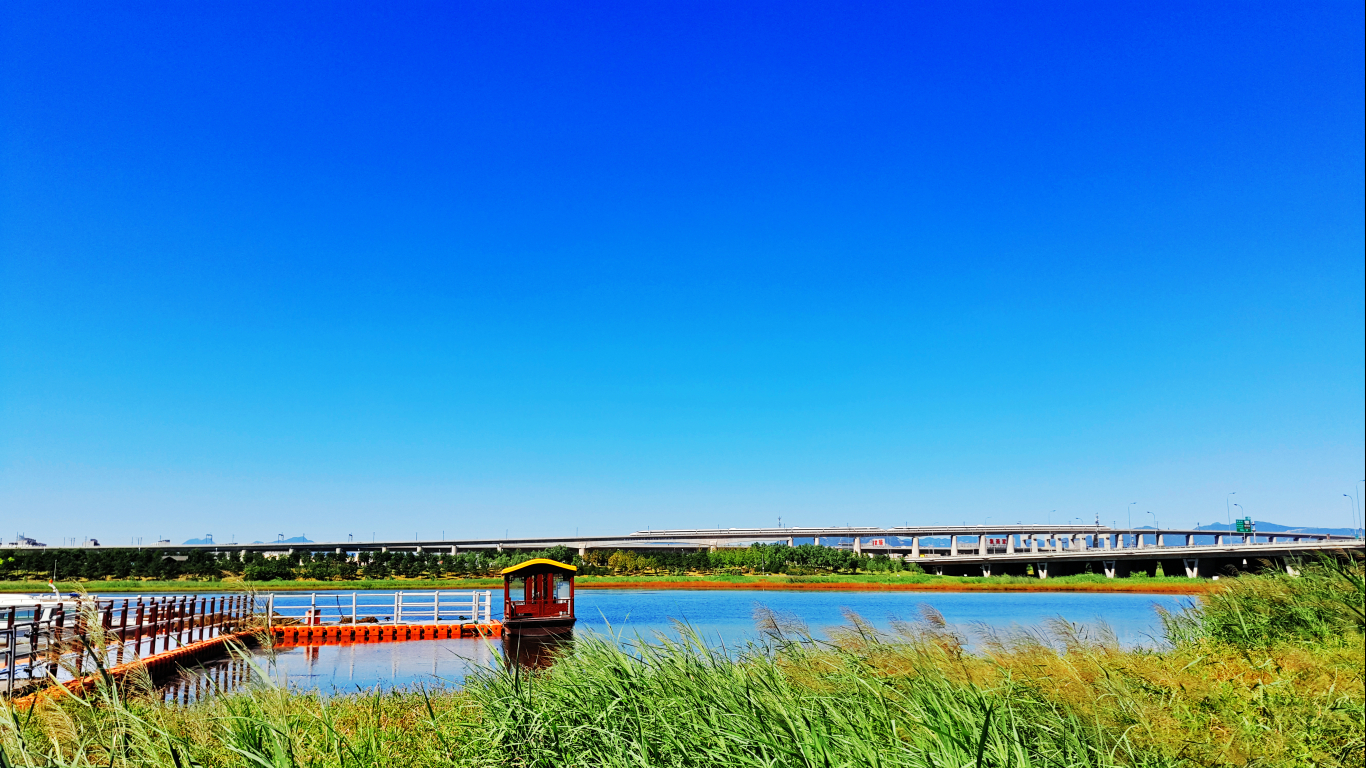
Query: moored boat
[547,604]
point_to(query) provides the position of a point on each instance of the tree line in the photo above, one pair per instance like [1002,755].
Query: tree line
[96,564]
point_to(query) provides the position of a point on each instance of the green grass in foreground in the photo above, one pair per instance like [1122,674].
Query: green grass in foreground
[1266,671]
[149,586]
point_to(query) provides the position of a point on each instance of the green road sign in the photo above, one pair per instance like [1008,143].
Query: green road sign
[1244,525]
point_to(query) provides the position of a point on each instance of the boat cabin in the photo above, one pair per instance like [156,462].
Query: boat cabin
[547,604]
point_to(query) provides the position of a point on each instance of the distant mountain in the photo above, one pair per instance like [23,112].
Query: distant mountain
[199,541]
[1265,527]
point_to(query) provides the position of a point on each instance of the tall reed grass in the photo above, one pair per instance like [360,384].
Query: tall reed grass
[1267,671]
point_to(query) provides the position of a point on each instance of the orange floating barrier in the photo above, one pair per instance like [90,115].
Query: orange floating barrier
[332,634]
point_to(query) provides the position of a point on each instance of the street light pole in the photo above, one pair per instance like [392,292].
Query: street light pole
[1358,498]
[1130,510]
[1227,511]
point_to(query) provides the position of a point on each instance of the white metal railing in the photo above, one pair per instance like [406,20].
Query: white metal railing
[402,607]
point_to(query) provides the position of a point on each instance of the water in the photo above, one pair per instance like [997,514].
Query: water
[719,616]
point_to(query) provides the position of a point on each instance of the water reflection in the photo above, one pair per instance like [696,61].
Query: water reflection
[533,652]
[191,685]
[720,618]
[340,668]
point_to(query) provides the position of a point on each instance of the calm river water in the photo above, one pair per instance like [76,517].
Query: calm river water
[718,616]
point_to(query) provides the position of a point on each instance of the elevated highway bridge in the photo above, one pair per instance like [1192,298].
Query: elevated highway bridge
[1045,550]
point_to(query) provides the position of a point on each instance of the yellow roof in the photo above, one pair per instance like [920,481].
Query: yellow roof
[539,561]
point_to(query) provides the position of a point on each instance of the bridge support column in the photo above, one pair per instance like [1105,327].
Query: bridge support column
[338,550]
[1081,542]
[986,569]
[583,551]
[455,550]
[953,546]
[816,541]
[858,546]
[1161,541]
[500,546]
[1218,539]
[1033,545]
[1109,566]
[1192,567]
[1010,544]
[915,546]
[1190,539]
[789,542]
[1009,568]
[938,570]
[1041,569]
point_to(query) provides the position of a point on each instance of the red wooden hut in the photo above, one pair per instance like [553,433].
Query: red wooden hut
[547,604]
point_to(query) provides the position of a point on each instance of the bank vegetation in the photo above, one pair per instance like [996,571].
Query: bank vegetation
[1267,670]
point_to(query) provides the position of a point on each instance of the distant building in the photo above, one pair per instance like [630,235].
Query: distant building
[24,541]
[90,543]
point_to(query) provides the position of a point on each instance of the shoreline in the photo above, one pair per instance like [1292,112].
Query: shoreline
[1159,588]
[775,584]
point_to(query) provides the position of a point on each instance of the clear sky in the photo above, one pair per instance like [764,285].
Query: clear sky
[402,268]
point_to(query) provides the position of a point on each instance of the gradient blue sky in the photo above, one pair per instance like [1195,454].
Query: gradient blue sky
[405,268]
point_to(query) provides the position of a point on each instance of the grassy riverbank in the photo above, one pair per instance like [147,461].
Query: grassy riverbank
[1269,671]
[871,582]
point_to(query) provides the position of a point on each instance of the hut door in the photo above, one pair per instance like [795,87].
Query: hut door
[539,596]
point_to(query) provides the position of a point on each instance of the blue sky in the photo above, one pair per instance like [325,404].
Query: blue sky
[538,268]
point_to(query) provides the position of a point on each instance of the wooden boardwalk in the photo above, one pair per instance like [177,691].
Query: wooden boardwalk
[50,640]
